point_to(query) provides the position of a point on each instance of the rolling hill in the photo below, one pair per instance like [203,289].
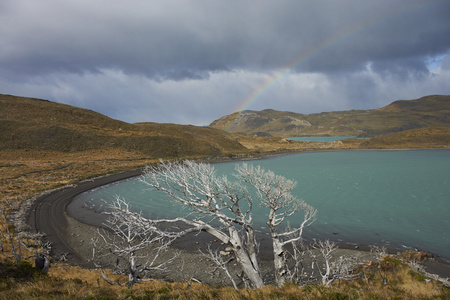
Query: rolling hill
[427,137]
[46,145]
[35,124]
[40,125]
[396,117]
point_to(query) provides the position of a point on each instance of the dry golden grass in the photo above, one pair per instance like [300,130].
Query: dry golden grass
[429,137]
[398,116]
[25,173]
[402,283]
[68,282]
[276,144]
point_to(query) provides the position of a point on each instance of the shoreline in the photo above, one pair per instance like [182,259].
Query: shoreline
[50,214]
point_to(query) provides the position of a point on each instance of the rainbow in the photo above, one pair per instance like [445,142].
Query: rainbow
[339,37]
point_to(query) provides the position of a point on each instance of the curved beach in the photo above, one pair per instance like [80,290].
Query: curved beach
[69,232]
[48,214]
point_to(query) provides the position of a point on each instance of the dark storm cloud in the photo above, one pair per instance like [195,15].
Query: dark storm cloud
[188,38]
[63,49]
[402,68]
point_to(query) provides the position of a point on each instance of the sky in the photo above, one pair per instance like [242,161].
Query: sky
[194,61]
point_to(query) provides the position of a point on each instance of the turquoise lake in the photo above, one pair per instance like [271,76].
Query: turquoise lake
[400,199]
[321,138]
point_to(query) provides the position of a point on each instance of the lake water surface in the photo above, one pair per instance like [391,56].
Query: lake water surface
[321,138]
[400,199]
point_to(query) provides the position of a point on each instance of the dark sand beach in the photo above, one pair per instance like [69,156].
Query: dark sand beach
[70,230]
[48,214]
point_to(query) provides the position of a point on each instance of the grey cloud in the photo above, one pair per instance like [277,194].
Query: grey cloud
[186,39]
[176,61]
[446,62]
[402,68]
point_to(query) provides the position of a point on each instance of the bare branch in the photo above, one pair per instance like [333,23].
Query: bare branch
[14,237]
[274,193]
[217,258]
[380,253]
[207,198]
[325,248]
[127,235]
[197,187]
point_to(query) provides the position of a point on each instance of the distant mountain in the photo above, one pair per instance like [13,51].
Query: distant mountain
[28,123]
[398,116]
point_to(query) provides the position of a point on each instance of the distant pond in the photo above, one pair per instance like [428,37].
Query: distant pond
[395,198]
[321,138]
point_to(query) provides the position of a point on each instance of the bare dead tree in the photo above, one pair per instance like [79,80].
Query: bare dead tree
[130,237]
[330,270]
[325,248]
[9,234]
[17,241]
[212,198]
[343,268]
[217,257]
[295,273]
[380,253]
[274,193]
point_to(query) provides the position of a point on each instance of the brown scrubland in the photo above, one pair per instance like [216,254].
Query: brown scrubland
[31,165]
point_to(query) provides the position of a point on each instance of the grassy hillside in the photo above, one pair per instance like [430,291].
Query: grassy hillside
[399,116]
[33,124]
[429,137]
[38,125]
[45,145]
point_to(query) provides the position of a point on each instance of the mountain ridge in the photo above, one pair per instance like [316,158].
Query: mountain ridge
[400,115]
[31,124]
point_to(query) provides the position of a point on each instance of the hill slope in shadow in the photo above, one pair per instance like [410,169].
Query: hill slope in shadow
[29,123]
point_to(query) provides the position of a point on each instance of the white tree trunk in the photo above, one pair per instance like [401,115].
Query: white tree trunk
[249,267]
[279,261]
[274,193]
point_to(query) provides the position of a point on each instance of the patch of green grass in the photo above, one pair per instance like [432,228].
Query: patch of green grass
[417,276]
